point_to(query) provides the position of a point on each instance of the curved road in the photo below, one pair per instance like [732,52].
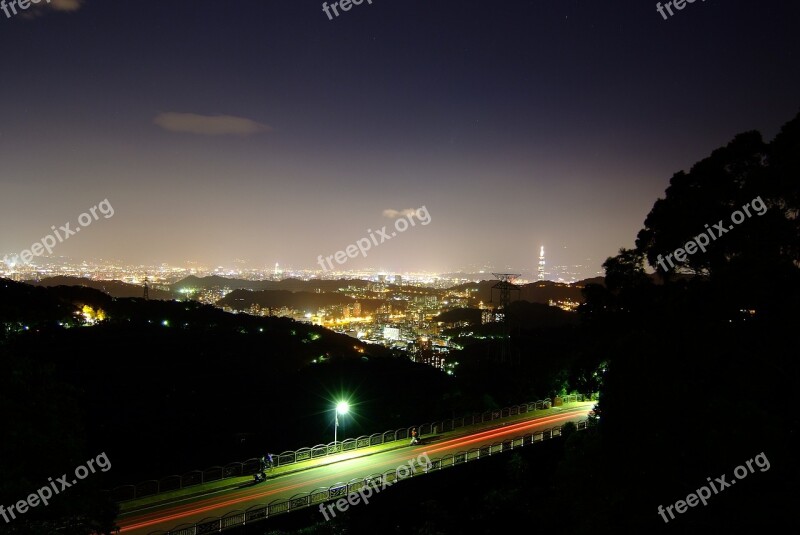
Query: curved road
[190,510]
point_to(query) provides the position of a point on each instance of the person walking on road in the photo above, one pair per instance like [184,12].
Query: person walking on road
[261,474]
[414,439]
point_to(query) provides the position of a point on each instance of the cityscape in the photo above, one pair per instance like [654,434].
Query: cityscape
[98,269]
[403,312]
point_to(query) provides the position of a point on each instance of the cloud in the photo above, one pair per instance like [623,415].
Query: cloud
[65,5]
[38,9]
[209,125]
[394,214]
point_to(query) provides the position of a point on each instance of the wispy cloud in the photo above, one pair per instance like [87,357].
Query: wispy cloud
[37,9]
[209,125]
[65,5]
[394,214]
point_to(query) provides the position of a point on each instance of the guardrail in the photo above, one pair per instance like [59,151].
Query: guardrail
[302,500]
[250,466]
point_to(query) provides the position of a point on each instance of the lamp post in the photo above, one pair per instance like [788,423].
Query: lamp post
[341,408]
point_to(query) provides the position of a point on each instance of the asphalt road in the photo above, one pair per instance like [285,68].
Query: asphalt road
[189,510]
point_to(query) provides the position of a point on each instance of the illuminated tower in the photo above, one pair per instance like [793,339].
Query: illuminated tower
[540,276]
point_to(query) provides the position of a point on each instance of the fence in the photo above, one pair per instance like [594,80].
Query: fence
[302,500]
[250,466]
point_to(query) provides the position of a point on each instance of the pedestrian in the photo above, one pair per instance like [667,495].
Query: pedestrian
[270,461]
[414,438]
[262,463]
[262,466]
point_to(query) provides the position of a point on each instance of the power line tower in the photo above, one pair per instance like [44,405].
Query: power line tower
[146,289]
[505,285]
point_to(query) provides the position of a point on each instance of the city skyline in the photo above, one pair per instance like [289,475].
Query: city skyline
[225,148]
[103,268]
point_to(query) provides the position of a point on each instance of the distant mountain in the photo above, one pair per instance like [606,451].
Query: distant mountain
[242,300]
[113,288]
[214,282]
[534,292]
[460,275]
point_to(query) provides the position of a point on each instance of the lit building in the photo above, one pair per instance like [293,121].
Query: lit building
[391,333]
[540,275]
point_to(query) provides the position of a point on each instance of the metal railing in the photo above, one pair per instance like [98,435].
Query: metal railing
[320,495]
[250,466]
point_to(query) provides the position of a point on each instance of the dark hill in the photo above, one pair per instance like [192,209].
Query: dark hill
[242,300]
[112,288]
[535,292]
[216,282]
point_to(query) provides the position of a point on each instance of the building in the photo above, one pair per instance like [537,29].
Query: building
[540,275]
[391,333]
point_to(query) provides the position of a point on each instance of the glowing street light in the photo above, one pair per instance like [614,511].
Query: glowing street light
[341,408]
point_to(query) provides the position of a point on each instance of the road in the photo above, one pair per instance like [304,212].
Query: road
[216,504]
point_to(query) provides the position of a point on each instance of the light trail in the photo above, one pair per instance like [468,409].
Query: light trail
[207,505]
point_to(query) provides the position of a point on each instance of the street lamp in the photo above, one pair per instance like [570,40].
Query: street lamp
[341,408]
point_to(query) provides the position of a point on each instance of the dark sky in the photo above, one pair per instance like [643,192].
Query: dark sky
[515,123]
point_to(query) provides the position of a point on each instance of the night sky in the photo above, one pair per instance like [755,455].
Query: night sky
[262,130]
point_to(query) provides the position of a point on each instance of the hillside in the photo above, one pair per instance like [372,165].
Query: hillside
[112,288]
[291,285]
[242,300]
[535,292]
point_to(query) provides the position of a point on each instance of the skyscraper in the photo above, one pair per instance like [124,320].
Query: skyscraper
[540,276]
